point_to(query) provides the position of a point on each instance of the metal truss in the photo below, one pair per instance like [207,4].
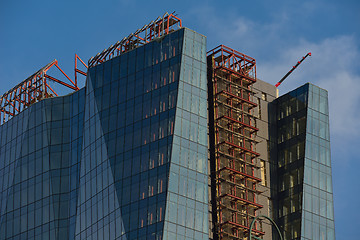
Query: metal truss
[234,61]
[155,29]
[233,159]
[77,70]
[34,89]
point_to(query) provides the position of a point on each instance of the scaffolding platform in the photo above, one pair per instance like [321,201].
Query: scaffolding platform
[232,143]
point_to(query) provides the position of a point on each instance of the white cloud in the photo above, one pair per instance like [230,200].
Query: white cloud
[332,66]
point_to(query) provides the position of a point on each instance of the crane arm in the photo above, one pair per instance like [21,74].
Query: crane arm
[292,69]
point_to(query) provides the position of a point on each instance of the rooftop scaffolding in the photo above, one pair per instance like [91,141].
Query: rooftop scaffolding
[155,29]
[34,89]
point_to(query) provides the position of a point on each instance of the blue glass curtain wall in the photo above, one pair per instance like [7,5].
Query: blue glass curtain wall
[187,199]
[117,159]
[304,186]
[39,169]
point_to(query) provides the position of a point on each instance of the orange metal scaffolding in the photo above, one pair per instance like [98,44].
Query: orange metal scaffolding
[34,89]
[232,143]
[155,29]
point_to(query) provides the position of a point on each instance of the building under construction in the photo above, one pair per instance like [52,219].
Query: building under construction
[167,140]
[232,142]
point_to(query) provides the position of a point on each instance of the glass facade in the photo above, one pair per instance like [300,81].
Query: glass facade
[317,211]
[126,157]
[304,186]
[123,158]
[187,199]
[39,169]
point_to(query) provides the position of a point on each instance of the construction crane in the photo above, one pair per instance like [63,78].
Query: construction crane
[293,68]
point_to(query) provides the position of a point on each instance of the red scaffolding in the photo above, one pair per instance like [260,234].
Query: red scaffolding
[155,29]
[34,89]
[233,154]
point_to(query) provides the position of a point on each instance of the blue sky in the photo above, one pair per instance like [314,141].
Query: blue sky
[276,33]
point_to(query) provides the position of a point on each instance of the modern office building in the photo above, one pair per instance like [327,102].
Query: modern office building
[166,141]
[304,198]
